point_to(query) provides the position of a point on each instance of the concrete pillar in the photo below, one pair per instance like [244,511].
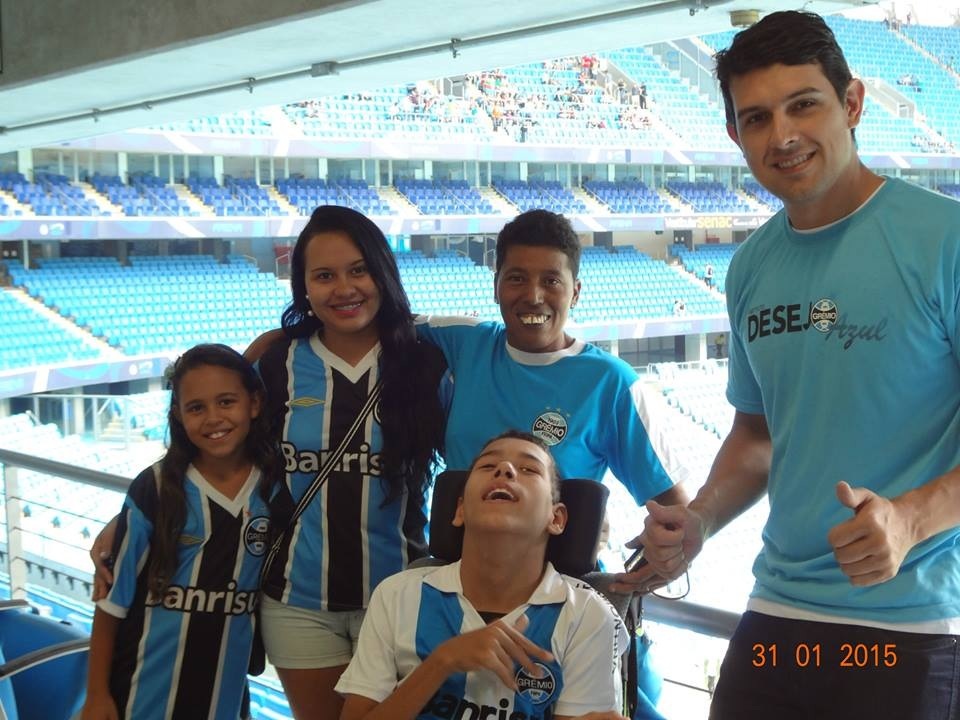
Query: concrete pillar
[16,564]
[79,416]
[695,347]
[218,169]
[123,166]
[25,163]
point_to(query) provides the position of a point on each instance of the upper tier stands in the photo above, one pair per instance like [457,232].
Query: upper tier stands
[447,284]
[445,197]
[762,195]
[305,194]
[627,196]
[550,195]
[709,197]
[627,284]
[160,303]
[418,112]
[696,261]
[146,195]
[582,101]
[237,197]
[49,195]
[166,304]
[242,122]
[694,118]
[28,337]
[875,51]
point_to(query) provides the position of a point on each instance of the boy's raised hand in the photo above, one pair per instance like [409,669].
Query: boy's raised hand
[497,648]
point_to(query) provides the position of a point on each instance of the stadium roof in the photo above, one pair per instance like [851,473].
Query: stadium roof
[177,72]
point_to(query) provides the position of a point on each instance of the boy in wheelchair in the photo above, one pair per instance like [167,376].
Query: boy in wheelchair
[499,634]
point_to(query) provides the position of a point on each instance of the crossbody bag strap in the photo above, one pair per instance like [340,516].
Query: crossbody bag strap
[331,462]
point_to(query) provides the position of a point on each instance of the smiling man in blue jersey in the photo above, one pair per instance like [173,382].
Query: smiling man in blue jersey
[498,634]
[845,375]
[529,373]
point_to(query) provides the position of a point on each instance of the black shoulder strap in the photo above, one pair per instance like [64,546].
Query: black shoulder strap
[331,462]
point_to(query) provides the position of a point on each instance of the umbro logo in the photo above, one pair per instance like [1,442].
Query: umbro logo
[305,402]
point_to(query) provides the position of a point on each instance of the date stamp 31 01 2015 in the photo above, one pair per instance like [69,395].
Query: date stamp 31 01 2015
[845,655]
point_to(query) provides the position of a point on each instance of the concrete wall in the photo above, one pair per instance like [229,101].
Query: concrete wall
[53,37]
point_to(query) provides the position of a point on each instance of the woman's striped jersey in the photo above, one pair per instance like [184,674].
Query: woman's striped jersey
[347,540]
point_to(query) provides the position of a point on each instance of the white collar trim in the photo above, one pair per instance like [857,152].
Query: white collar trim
[547,358]
[811,231]
[352,372]
[551,588]
[210,490]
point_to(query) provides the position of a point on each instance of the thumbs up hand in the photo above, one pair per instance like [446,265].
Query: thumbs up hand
[870,546]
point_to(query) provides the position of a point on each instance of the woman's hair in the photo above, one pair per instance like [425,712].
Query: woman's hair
[260,447]
[410,413]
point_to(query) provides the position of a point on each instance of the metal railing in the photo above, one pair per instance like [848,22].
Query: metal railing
[676,613]
[12,463]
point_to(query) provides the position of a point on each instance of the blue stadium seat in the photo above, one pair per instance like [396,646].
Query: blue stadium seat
[45,665]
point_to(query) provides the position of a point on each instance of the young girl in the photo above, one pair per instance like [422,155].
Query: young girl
[173,636]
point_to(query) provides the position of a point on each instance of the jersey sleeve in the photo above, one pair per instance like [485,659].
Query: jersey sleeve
[373,672]
[638,450]
[131,545]
[591,660]
[449,333]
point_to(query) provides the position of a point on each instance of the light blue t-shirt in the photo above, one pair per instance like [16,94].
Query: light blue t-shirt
[584,403]
[847,340]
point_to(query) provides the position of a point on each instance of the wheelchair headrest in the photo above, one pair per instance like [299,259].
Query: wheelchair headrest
[573,552]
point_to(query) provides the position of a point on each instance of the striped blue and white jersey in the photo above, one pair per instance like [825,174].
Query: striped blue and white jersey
[347,540]
[415,611]
[186,656]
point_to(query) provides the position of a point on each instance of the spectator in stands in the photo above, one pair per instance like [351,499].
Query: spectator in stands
[844,324]
[720,345]
[679,307]
[348,325]
[708,275]
[155,652]
[503,616]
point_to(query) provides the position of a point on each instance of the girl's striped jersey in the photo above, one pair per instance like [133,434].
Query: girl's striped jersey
[185,656]
[347,540]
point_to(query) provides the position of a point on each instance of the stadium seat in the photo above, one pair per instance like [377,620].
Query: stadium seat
[43,676]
